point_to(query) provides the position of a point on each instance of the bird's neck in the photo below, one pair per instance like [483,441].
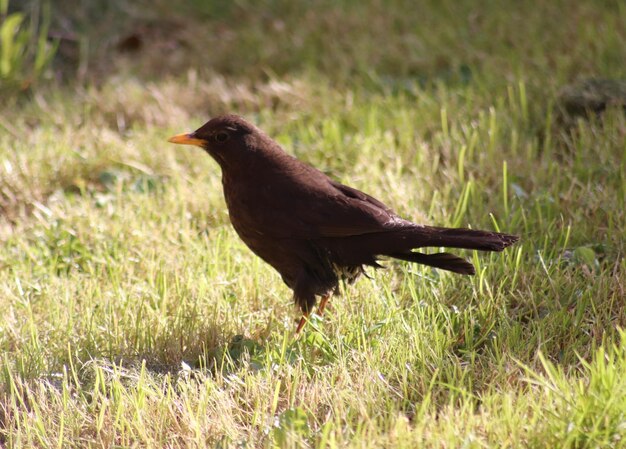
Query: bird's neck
[258,160]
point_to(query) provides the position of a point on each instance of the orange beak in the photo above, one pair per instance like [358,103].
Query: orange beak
[187,139]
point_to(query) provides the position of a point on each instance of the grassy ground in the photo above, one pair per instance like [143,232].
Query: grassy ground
[134,317]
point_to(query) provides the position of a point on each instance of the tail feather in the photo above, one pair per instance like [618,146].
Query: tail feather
[470,239]
[445,261]
[402,243]
[452,238]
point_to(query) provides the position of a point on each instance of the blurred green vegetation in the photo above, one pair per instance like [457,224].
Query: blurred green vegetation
[387,44]
[25,52]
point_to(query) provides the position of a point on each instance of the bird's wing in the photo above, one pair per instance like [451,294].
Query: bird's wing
[324,209]
[356,213]
[297,201]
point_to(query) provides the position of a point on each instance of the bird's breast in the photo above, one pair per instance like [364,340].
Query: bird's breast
[245,208]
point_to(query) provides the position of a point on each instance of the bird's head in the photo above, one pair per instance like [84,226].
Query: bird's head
[224,137]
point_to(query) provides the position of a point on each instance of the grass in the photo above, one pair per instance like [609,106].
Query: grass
[133,316]
[24,50]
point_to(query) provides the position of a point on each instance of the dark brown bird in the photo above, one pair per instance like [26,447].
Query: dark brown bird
[315,231]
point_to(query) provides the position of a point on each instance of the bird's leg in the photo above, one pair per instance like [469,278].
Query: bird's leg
[320,311]
[306,300]
[323,302]
[302,322]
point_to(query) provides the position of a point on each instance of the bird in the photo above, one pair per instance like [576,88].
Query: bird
[314,231]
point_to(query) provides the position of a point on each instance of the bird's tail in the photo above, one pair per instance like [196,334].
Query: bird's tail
[451,238]
[445,261]
[469,238]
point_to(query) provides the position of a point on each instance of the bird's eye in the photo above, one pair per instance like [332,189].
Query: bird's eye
[222,137]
